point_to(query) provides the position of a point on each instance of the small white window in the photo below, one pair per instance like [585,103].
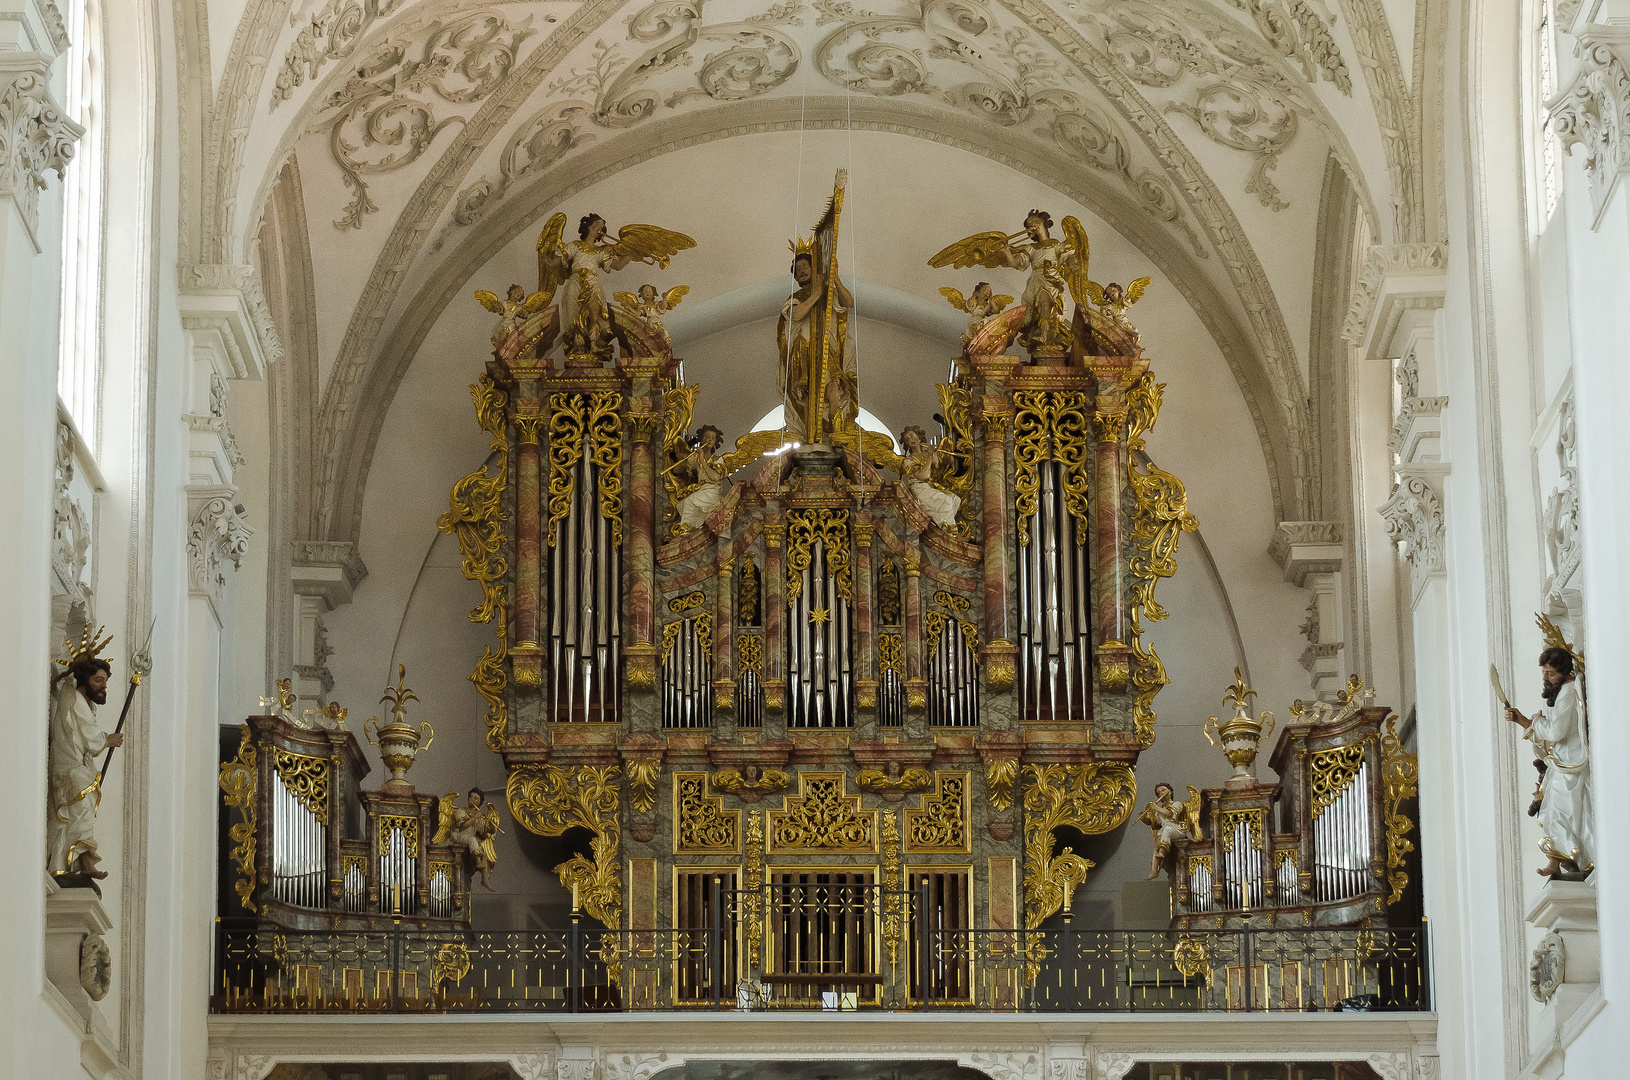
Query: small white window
[79,343]
[1547,87]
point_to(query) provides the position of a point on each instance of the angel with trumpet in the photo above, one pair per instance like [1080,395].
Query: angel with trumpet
[1170,821]
[471,828]
[570,273]
[1054,266]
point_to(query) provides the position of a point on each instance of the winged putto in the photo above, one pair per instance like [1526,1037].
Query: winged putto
[1170,821]
[520,320]
[471,828]
[982,307]
[639,316]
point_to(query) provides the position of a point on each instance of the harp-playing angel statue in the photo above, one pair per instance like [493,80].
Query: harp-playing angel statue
[643,311]
[1054,267]
[569,271]
[1170,821]
[471,829]
[981,307]
[695,471]
[1113,301]
[520,320]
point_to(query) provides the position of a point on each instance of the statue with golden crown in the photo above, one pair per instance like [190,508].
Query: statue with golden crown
[819,391]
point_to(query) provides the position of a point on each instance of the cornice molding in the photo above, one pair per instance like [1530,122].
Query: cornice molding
[1395,279]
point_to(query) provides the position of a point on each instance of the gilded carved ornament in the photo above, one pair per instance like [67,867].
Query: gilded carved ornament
[753,785]
[702,826]
[752,886]
[1094,798]
[238,781]
[1050,425]
[1000,775]
[1400,775]
[893,788]
[643,773]
[306,778]
[893,903]
[548,800]
[568,420]
[831,528]
[822,818]
[940,823]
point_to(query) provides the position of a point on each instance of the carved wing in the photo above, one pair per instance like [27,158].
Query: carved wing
[1076,238]
[671,298]
[444,818]
[984,249]
[879,450]
[1134,291]
[490,301]
[490,829]
[1095,293]
[649,244]
[1191,811]
[999,303]
[535,302]
[627,301]
[678,406]
[953,295]
[749,448]
[552,261]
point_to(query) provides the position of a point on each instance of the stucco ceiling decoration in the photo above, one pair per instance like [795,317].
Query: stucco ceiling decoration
[1087,83]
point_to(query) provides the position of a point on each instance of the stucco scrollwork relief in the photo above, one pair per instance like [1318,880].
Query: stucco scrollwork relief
[71,534]
[1004,1066]
[329,32]
[1562,508]
[1593,112]
[35,136]
[1414,517]
[216,536]
[637,1066]
[387,114]
[1299,33]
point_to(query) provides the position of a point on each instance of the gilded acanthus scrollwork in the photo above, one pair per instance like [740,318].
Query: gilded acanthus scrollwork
[238,789]
[306,778]
[1400,775]
[643,773]
[893,903]
[752,880]
[831,528]
[1333,770]
[701,824]
[1094,798]
[822,818]
[940,823]
[1051,425]
[568,421]
[548,800]
[605,428]
[1000,775]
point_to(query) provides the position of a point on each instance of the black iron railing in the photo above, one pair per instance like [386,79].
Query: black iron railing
[400,969]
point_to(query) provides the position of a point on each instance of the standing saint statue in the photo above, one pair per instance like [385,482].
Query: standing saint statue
[77,740]
[819,389]
[1568,832]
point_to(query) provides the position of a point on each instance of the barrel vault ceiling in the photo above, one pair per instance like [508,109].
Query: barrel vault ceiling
[417,138]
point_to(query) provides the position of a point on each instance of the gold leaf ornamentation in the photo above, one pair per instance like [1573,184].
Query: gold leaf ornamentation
[306,778]
[822,818]
[549,799]
[1400,775]
[642,783]
[1094,798]
[893,905]
[831,528]
[1051,425]
[238,783]
[1000,775]
[567,421]
[1230,823]
[605,428]
[1333,770]
[409,826]
[1190,957]
[751,790]
[750,653]
[702,825]
[690,601]
[934,624]
[752,885]
[891,654]
[941,822]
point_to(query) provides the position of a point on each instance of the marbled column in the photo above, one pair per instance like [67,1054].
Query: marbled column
[724,636]
[775,601]
[644,419]
[526,655]
[916,685]
[1110,423]
[865,668]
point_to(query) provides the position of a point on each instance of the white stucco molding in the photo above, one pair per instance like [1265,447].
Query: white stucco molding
[331,569]
[35,136]
[1400,284]
[224,312]
[1414,516]
[1594,109]
[216,535]
[1301,548]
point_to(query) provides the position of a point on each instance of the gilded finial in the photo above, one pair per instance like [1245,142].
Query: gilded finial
[1238,693]
[399,695]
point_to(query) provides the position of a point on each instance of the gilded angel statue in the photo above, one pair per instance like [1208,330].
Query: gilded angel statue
[1170,821]
[923,467]
[1113,301]
[695,473]
[1054,267]
[981,307]
[471,828]
[570,272]
[645,310]
[519,320]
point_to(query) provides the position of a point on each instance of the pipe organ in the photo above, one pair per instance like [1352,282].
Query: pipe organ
[1324,847]
[313,850]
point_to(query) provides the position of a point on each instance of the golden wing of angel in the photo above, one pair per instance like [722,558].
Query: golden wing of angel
[1191,812]
[490,828]
[552,261]
[999,303]
[879,450]
[671,298]
[1134,291]
[749,448]
[444,818]
[1095,293]
[649,244]
[490,301]
[953,295]
[678,407]
[1075,237]
[627,301]
[989,249]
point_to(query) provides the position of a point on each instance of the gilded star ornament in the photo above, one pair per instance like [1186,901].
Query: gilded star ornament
[819,615]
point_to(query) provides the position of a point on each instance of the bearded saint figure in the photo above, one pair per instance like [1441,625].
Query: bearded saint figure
[1567,826]
[77,740]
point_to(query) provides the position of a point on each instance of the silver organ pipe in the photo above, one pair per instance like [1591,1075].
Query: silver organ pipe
[819,649]
[398,871]
[299,850]
[1200,886]
[687,691]
[441,891]
[585,601]
[1055,646]
[354,887]
[953,679]
[1341,841]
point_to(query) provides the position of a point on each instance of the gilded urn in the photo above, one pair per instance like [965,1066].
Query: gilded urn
[399,742]
[1240,736]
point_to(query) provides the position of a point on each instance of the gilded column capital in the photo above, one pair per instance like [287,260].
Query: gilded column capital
[863,531]
[1109,423]
[35,136]
[773,532]
[526,428]
[996,424]
[643,425]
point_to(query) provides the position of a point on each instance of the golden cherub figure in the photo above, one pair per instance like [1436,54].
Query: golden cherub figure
[1113,301]
[518,320]
[1170,821]
[646,308]
[981,307]
[471,828]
